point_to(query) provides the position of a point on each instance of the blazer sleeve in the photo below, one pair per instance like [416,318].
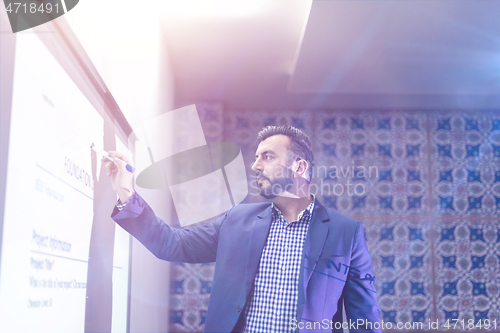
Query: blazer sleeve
[360,297]
[193,245]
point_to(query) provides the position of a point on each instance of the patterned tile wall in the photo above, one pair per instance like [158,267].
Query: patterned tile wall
[426,187]
[466,194]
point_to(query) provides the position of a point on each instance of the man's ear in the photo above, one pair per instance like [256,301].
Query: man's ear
[300,167]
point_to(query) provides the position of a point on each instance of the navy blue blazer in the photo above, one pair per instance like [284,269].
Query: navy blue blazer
[337,267]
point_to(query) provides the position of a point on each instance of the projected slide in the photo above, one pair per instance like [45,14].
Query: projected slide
[49,199]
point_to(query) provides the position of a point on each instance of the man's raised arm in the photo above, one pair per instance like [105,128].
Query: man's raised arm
[133,214]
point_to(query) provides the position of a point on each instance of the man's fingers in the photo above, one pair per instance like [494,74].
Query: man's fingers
[109,168]
[121,156]
[119,162]
[113,167]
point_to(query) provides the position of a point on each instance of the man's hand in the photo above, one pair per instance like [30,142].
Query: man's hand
[122,180]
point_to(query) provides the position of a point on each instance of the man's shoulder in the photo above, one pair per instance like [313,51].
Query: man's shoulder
[339,219]
[251,208]
[336,215]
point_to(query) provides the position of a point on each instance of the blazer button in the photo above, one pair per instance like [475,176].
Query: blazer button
[238,308]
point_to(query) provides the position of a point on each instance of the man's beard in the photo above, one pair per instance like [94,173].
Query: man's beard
[276,187]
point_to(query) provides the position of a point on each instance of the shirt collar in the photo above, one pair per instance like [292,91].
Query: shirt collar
[309,210]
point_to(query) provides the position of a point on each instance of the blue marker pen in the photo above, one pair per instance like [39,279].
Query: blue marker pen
[109,157]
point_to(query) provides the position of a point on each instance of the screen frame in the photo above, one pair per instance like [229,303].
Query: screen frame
[59,38]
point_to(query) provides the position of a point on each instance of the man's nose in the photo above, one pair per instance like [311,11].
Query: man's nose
[256,165]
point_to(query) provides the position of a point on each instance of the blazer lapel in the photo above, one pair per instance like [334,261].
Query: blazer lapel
[316,237]
[259,231]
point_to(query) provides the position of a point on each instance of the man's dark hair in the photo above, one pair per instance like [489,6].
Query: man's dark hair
[300,144]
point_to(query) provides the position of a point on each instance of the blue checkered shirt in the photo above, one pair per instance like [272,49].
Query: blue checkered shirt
[273,303]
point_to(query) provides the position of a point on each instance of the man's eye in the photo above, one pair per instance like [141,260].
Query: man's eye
[268,157]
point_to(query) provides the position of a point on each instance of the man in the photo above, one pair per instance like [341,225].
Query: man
[284,266]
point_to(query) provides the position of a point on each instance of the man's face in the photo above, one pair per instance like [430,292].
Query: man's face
[273,175]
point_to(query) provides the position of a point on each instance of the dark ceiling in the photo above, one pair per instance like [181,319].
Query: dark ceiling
[327,54]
